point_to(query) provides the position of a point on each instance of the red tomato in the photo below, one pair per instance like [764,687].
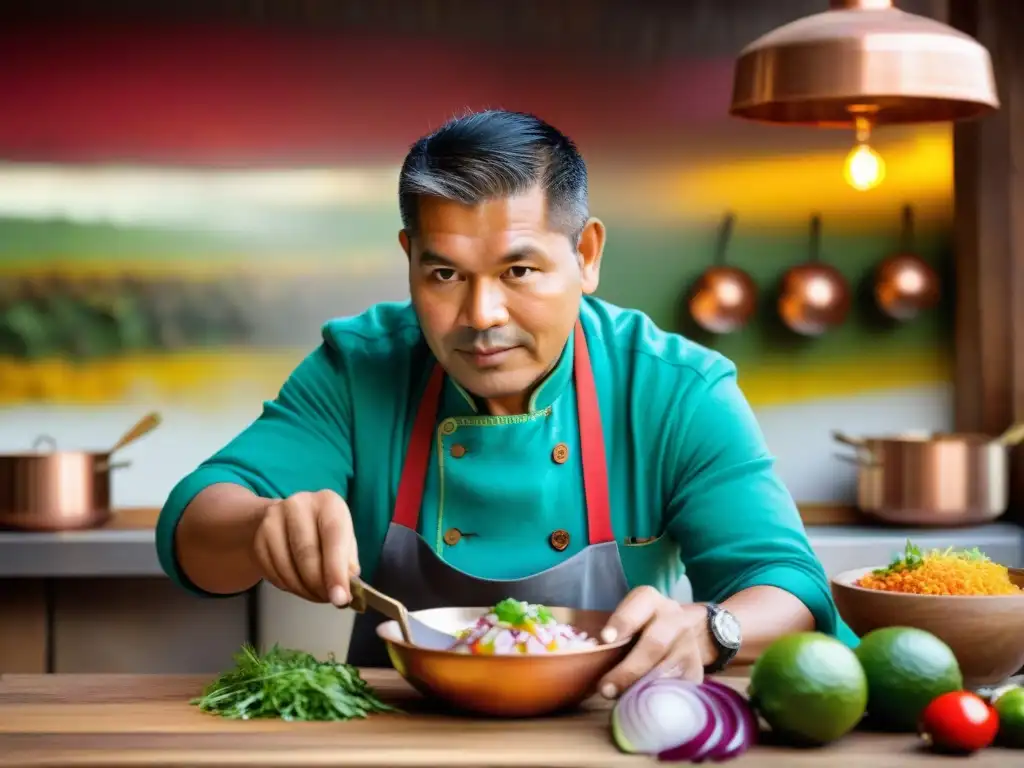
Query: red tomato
[959,722]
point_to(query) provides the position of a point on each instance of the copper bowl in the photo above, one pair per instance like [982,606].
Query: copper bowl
[985,632]
[504,685]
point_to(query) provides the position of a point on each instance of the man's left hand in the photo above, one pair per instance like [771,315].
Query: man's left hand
[673,637]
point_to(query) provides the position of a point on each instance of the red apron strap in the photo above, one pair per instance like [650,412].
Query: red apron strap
[594,460]
[417,454]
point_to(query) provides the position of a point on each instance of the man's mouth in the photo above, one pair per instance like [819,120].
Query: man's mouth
[485,357]
[488,351]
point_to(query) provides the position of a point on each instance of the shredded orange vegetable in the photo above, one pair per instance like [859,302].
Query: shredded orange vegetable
[941,573]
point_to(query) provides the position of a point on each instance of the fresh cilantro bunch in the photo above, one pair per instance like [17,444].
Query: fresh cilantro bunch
[291,685]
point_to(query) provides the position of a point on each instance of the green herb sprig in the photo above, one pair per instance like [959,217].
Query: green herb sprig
[913,557]
[291,685]
[517,613]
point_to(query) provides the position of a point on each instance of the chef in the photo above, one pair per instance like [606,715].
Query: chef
[506,434]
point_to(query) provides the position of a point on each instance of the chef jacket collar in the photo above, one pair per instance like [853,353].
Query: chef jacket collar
[459,402]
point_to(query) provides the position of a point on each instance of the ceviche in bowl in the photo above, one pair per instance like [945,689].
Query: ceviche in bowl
[513,626]
[512,659]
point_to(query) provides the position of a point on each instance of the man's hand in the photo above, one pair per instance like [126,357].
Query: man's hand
[673,637]
[305,545]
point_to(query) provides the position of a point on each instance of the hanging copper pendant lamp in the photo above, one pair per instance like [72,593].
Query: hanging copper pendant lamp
[861,64]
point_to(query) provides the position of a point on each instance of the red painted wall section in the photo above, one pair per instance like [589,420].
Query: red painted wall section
[219,95]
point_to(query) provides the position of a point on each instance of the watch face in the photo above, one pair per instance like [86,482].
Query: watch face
[727,629]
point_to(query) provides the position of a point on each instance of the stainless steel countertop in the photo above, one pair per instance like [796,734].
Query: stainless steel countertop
[117,553]
[132,553]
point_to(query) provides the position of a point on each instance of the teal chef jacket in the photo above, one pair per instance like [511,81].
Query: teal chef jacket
[692,484]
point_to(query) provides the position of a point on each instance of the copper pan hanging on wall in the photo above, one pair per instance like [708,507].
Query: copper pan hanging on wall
[814,296]
[724,298]
[906,284]
[863,63]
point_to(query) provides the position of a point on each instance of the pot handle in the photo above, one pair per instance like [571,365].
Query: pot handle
[864,458]
[845,439]
[44,440]
[860,461]
[1012,436]
[106,465]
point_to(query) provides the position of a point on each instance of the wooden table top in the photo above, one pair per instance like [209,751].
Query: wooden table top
[812,513]
[123,721]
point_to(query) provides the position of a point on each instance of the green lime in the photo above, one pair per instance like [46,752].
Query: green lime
[1010,708]
[809,688]
[907,669]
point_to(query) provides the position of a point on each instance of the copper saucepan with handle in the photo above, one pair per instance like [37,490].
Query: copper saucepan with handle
[940,479]
[56,490]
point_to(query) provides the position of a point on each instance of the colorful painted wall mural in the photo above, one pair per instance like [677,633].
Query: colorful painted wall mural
[181,207]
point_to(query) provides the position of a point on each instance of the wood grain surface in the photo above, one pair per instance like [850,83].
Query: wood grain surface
[123,721]
[144,518]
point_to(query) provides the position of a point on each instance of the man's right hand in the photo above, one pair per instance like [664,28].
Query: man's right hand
[305,545]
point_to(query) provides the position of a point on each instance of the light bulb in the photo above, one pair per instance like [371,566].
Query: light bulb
[864,168]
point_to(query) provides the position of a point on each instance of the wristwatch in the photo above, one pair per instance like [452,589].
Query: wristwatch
[724,629]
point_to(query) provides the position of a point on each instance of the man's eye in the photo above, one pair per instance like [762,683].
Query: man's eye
[518,273]
[443,275]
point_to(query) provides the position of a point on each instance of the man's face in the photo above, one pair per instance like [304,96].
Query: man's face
[497,291]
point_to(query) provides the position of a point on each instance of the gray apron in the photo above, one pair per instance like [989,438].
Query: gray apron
[411,571]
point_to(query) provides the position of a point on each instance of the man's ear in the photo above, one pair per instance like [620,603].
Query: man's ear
[405,242]
[590,250]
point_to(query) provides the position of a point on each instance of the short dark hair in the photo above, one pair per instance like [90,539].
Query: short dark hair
[487,155]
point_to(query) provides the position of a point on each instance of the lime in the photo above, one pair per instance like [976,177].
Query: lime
[1010,708]
[809,688]
[907,669]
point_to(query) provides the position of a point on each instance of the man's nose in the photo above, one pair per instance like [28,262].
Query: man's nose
[485,305]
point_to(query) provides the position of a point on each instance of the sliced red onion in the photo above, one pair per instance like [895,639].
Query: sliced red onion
[682,721]
[504,642]
[746,727]
[715,747]
[533,645]
[657,714]
[697,751]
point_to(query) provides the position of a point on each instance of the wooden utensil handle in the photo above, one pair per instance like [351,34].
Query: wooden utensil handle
[364,596]
[146,424]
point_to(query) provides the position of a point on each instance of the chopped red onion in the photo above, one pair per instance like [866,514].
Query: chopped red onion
[683,721]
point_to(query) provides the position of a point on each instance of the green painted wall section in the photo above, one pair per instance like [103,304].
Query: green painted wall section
[651,268]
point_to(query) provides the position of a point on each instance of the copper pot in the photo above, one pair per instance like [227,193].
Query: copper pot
[933,479]
[724,298]
[814,296]
[54,490]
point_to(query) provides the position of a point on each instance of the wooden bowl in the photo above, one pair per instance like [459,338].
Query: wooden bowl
[986,633]
[504,685]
